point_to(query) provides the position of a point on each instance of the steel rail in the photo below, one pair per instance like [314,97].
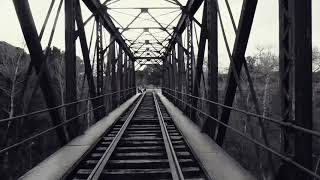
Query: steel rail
[275,121]
[96,172]
[172,158]
[269,149]
[61,106]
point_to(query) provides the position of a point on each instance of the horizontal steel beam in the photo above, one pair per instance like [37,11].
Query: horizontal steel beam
[148,57]
[142,28]
[98,9]
[152,63]
[146,8]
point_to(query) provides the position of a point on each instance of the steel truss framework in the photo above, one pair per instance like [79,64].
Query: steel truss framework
[118,59]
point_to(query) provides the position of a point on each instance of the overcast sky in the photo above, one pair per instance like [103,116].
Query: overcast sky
[264,32]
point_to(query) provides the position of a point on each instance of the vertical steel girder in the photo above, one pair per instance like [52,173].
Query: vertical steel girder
[100,63]
[100,58]
[113,60]
[108,99]
[38,61]
[200,58]
[167,73]
[120,75]
[129,80]
[285,68]
[132,76]
[126,75]
[190,63]
[296,50]
[163,77]
[168,63]
[212,26]
[87,65]
[181,70]
[240,45]
[302,47]
[70,67]
[133,79]
[189,55]
[208,31]
[174,72]
[201,50]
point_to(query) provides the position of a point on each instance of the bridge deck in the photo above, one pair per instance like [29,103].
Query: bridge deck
[217,163]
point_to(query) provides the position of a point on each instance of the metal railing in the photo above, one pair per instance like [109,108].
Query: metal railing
[169,92]
[272,120]
[8,148]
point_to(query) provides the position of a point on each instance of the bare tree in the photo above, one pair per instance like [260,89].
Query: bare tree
[261,66]
[13,63]
[315,69]
[315,59]
[56,64]
[315,92]
[12,70]
[266,63]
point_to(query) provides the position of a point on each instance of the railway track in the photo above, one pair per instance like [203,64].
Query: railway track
[144,143]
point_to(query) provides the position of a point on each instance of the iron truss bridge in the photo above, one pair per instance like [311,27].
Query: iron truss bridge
[143,138]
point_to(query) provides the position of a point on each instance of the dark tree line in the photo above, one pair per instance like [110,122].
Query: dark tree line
[20,94]
[151,75]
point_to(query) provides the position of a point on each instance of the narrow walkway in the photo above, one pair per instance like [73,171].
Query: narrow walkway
[218,164]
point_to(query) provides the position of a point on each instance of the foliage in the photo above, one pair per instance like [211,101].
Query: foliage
[150,75]
[20,94]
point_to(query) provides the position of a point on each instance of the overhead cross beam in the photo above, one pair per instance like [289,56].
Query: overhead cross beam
[146,29]
[97,8]
[188,11]
[143,57]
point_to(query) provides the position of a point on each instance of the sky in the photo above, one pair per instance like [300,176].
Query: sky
[264,31]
